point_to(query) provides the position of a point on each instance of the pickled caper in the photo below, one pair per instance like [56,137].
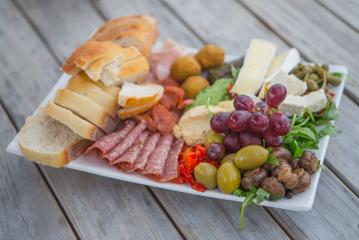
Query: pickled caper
[206,174]
[228,177]
[333,80]
[312,85]
[250,157]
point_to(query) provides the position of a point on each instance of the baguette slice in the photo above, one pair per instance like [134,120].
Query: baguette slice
[85,108]
[133,95]
[111,90]
[82,85]
[75,123]
[49,142]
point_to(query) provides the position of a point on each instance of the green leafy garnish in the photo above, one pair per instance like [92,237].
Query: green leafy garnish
[216,92]
[337,74]
[234,72]
[252,196]
[272,159]
[211,114]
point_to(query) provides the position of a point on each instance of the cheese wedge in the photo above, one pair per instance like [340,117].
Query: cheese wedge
[133,95]
[256,63]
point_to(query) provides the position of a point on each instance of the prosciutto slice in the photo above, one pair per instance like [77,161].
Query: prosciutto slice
[156,162]
[148,148]
[107,143]
[126,143]
[127,160]
[170,170]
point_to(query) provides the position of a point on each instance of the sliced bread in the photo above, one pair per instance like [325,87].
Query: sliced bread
[111,90]
[80,126]
[49,142]
[85,108]
[82,85]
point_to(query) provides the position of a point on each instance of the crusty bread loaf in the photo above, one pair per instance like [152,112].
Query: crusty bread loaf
[80,126]
[86,108]
[87,53]
[49,142]
[139,30]
[111,90]
[82,85]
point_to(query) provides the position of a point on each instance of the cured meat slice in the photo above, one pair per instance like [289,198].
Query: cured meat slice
[126,143]
[163,119]
[156,162]
[149,147]
[127,160]
[107,143]
[172,97]
[170,171]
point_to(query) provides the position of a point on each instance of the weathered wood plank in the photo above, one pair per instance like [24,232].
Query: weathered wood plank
[318,34]
[99,208]
[193,215]
[335,213]
[347,10]
[27,207]
[342,145]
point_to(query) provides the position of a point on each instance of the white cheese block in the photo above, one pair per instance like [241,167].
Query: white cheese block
[255,66]
[316,101]
[293,105]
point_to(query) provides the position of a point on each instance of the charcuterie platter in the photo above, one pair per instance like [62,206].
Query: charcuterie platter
[251,128]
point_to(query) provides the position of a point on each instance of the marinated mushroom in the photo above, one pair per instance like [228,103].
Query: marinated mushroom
[273,187]
[304,181]
[309,162]
[253,178]
[280,152]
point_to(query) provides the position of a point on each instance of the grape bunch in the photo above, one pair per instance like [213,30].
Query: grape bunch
[252,124]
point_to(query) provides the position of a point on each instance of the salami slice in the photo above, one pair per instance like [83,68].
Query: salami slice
[170,171]
[107,143]
[127,160]
[126,143]
[148,148]
[157,159]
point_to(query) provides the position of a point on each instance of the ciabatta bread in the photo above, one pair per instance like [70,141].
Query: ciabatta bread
[105,98]
[85,108]
[78,125]
[49,142]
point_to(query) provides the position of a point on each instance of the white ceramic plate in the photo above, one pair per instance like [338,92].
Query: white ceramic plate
[91,164]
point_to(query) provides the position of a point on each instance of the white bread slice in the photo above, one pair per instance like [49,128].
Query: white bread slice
[130,71]
[133,95]
[85,108]
[82,85]
[111,90]
[75,123]
[49,142]
[117,57]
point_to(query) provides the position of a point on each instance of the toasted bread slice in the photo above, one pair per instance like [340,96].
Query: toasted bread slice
[49,142]
[78,125]
[85,108]
[82,85]
[133,95]
[111,90]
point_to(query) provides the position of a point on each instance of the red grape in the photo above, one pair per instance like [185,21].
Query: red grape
[248,138]
[216,151]
[243,102]
[258,122]
[271,139]
[219,122]
[279,123]
[231,142]
[276,94]
[262,107]
[238,120]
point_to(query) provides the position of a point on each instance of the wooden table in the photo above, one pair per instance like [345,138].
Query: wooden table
[43,203]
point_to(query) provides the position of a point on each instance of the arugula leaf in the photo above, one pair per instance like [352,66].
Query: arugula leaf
[261,195]
[337,74]
[234,72]
[211,114]
[272,159]
[327,129]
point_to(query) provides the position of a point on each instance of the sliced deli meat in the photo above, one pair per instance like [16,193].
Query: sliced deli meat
[126,143]
[127,160]
[107,143]
[163,118]
[170,170]
[157,160]
[148,148]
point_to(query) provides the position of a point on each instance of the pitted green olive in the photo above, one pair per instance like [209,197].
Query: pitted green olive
[206,174]
[250,157]
[228,177]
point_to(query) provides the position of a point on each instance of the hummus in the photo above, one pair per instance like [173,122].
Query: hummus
[195,123]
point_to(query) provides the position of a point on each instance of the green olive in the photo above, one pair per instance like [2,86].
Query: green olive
[206,174]
[312,85]
[228,177]
[251,157]
[212,137]
[229,157]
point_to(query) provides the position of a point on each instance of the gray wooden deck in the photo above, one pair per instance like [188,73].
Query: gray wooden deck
[38,202]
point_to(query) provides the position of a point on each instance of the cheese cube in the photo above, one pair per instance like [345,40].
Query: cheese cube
[316,101]
[255,66]
[294,85]
[293,105]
